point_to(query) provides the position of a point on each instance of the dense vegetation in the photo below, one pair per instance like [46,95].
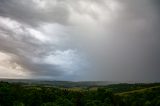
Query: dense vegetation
[112,95]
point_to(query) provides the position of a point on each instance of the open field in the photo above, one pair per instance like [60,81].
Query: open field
[138,91]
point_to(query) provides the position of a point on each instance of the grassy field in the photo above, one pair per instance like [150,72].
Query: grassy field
[137,91]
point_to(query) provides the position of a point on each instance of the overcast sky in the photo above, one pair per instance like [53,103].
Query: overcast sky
[109,40]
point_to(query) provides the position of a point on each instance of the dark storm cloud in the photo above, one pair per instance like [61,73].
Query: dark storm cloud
[124,47]
[120,39]
[27,48]
[131,52]
[28,12]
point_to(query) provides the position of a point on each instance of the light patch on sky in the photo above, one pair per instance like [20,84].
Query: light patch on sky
[68,60]
[10,68]
[38,35]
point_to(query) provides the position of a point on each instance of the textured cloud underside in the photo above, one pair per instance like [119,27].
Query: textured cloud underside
[80,39]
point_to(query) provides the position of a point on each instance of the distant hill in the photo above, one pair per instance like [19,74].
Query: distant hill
[59,83]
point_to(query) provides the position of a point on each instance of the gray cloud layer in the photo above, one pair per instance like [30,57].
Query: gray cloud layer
[54,38]
[28,12]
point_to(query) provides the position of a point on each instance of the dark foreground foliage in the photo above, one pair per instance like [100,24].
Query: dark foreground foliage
[20,95]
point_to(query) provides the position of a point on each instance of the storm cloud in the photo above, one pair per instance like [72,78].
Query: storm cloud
[80,40]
